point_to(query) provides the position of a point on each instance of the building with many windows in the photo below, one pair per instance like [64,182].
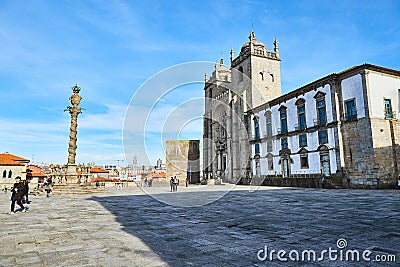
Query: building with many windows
[340,130]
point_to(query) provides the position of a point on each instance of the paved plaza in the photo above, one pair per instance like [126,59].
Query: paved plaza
[130,228]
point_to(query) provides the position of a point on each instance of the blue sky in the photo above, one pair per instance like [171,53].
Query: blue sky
[110,48]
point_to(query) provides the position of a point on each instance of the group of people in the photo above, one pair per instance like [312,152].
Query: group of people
[19,195]
[174,182]
[147,182]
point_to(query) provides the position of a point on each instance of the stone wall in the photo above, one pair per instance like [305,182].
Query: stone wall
[183,160]
[386,135]
[358,150]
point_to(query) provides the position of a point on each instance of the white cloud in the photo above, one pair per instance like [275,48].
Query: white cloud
[112,120]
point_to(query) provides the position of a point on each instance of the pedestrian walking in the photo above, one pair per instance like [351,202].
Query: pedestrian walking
[187,181]
[26,191]
[48,190]
[17,195]
[171,183]
[176,182]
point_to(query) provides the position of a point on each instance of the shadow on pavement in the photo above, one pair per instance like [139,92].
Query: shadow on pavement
[231,230]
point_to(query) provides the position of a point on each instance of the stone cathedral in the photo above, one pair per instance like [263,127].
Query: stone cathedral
[252,79]
[340,131]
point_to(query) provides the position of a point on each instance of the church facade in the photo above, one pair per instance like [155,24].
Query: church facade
[340,130]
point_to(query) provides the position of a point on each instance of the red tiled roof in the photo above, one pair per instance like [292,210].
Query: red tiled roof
[13,157]
[157,175]
[9,162]
[35,174]
[34,168]
[98,170]
[100,179]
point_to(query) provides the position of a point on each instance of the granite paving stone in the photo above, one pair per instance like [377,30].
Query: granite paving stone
[131,228]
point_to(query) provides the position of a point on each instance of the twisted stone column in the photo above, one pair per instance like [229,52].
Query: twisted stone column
[74,111]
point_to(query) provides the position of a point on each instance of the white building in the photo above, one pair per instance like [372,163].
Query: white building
[341,129]
[11,166]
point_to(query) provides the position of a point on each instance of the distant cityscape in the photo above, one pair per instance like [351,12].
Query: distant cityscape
[12,166]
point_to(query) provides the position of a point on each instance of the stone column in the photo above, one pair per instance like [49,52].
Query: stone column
[74,111]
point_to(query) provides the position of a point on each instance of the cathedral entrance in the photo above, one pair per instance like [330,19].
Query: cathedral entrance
[221,146]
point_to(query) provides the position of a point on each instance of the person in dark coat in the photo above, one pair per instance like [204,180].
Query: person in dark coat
[17,195]
[48,190]
[171,183]
[26,191]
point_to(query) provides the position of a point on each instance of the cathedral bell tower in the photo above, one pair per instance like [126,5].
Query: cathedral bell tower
[262,67]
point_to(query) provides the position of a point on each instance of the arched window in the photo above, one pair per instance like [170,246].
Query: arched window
[10,174]
[272,78]
[240,73]
[222,127]
[262,76]
[4,174]
[303,158]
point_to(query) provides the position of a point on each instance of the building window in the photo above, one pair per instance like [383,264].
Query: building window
[269,124]
[303,140]
[388,109]
[323,137]
[301,114]
[257,148]
[4,174]
[304,161]
[10,174]
[269,146]
[283,120]
[270,163]
[321,111]
[240,73]
[262,76]
[398,100]
[272,78]
[284,143]
[256,129]
[351,113]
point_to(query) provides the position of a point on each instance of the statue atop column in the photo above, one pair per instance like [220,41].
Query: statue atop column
[74,110]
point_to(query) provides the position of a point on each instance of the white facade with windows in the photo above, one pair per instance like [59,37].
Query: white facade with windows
[342,127]
[307,140]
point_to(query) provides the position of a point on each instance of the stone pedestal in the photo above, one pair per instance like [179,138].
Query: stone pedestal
[71,175]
